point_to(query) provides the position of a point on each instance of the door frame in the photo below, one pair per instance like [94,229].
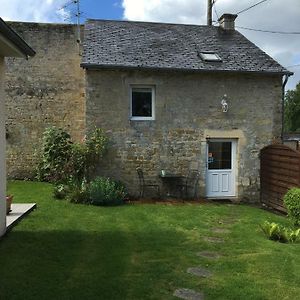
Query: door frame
[234,165]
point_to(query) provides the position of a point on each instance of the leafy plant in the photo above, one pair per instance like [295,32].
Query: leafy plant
[280,233]
[292,202]
[79,193]
[65,161]
[95,146]
[60,191]
[77,164]
[55,153]
[101,191]
[105,191]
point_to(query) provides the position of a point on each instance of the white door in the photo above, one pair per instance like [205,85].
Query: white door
[220,174]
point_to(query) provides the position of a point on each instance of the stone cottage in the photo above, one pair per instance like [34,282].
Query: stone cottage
[180,97]
[173,97]
[11,45]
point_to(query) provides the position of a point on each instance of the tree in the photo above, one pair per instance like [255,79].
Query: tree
[292,110]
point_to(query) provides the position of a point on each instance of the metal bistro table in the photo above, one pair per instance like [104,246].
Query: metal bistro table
[170,182]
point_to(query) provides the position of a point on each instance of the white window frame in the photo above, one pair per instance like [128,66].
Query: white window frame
[135,118]
[216,57]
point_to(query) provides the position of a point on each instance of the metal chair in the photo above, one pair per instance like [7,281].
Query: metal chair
[143,185]
[190,184]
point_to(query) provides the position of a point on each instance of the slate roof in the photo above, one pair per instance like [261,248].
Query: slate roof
[145,45]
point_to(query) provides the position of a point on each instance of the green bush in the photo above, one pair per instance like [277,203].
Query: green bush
[78,193]
[105,191]
[292,203]
[62,160]
[61,191]
[55,154]
[101,191]
[85,156]
[280,233]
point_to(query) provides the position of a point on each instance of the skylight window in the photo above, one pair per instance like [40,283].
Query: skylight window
[209,56]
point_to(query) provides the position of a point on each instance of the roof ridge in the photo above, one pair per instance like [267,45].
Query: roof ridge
[148,22]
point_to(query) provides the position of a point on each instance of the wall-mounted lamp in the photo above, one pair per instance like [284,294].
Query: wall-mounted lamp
[224,104]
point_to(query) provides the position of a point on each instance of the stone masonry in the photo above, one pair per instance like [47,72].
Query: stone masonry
[52,89]
[188,113]
[42,91]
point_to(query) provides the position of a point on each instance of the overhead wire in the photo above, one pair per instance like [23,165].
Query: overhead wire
[67,4]
[269,31]
[293,66]
[215,10]
[246,9]
[258,30]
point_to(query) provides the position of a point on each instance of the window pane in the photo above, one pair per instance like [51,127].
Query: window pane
[219,155]
[141,102]
[206,56]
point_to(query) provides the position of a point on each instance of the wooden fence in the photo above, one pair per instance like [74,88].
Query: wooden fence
[279,171]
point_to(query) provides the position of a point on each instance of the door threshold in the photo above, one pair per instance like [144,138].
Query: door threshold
[224,199]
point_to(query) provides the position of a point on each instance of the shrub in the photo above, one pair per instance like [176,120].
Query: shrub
[61,191]
[77,163]
[63,161]
[79,193]
[292,202]
[96,144]
[85,156]
[101,191]
[105,191]
[55,153]
[280,233]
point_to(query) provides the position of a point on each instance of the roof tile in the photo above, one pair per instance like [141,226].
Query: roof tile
[125,44]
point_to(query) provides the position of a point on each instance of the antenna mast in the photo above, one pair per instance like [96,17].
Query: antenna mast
[78,21]
[209,12]
[77,14]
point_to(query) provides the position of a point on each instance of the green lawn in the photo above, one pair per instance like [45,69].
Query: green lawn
[69,251]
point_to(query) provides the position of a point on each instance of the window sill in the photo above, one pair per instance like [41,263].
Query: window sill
[141,119]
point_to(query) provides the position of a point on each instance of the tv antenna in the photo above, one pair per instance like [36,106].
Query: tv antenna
[76,13]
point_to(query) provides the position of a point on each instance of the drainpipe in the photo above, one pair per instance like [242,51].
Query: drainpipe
[286,78]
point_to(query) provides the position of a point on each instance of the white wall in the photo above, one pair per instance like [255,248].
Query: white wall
[2,153]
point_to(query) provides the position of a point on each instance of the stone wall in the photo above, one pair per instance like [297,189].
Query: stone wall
[188,112]
[49,89]
[45,90]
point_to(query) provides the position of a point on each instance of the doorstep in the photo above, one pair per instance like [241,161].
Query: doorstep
[18,211]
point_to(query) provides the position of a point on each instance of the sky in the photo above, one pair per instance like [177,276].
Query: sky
[273,15]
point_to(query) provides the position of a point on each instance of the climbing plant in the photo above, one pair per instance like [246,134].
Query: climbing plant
[62,160]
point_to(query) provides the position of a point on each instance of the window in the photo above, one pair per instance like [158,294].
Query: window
[219,155]
[209,56]
[142,103]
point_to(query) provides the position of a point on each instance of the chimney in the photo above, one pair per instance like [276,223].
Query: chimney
[227,21]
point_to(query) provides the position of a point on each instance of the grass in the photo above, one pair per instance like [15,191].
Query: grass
[68,251]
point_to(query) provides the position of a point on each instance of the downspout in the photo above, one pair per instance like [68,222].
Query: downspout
[286,78]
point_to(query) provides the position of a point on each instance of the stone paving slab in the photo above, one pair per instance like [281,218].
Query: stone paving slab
[188,294]
[18,211]
[228,221]
[212,239]
[220,230]
[208,254]
[201,272]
